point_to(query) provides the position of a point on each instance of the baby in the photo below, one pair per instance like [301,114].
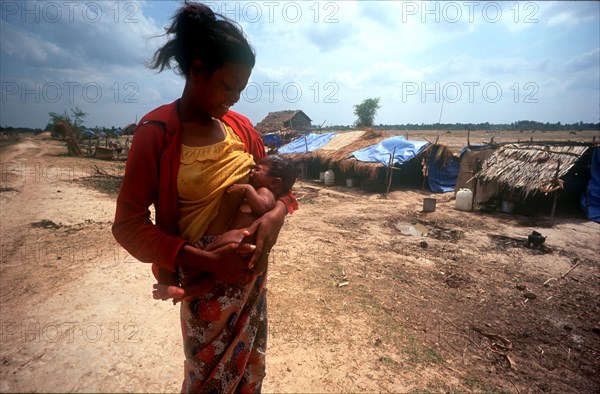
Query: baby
[272,177]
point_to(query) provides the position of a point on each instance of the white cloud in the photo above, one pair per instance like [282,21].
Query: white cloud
[369,50]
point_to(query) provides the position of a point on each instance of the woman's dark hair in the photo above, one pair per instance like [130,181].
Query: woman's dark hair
[281,168]
[201,34]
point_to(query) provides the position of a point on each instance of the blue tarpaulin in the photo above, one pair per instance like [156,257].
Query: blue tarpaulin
[442,179]
[272,139]
[590,200]
[308,143]
[381,152]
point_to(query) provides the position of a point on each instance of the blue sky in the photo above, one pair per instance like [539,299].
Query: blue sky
[496,62]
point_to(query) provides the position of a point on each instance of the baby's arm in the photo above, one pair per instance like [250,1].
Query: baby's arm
[260,201]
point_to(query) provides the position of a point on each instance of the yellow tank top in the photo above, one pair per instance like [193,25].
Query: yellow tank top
[205,173]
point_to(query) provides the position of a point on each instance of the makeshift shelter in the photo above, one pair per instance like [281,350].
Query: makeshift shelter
[442,169]
[516,172]
[272,140]
[590,199]
[333,154]
[471,160]
[402,160]
[366,156]
[282,121]
[128,129]
[307,143]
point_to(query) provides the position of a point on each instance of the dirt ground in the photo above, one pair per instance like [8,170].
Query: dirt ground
[354,305]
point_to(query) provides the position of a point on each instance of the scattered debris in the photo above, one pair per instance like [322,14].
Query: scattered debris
[535,239]
[498,340]
[530,295]
[570,269]
[45,223]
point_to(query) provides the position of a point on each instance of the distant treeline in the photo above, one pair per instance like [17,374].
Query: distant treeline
[9,130]
[521,125]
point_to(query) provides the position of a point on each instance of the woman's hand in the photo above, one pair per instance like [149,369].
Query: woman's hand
[230,266]
[225,263]
[266,230]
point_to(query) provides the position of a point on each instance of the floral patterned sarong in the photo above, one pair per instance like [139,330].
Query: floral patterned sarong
[225,338]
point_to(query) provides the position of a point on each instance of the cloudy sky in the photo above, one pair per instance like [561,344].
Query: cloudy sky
[464,61]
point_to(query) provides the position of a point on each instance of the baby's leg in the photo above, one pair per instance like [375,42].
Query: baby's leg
[166,292]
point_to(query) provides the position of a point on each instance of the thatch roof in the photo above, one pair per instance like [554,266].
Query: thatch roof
[529,169]
[337,158]
[342,145]
[276,121]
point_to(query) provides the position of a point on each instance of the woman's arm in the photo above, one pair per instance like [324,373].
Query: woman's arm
[148,242]
[132,227]
[266,230]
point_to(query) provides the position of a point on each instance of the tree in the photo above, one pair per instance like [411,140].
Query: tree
[70,129]
[75,122]
[78,116]
[366,111]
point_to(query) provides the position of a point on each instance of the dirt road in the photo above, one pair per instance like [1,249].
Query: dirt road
[354,305]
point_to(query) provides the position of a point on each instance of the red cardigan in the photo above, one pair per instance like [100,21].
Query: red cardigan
[151,178]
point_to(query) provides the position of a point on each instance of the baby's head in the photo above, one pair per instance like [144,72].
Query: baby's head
[275,173]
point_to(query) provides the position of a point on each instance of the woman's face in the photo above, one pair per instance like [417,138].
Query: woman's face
[215,93]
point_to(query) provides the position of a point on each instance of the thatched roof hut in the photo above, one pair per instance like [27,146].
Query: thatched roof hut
[283,121]
[128,129]
[333,155]
[372,176]
[526,169]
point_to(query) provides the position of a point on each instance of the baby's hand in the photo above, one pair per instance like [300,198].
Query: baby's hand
[237,188]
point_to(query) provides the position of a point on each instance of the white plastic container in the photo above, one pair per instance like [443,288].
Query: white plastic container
[464,200]
[329,178]
[349,182]
[322,176]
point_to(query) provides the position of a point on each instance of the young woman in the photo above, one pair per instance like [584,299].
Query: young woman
[185,155]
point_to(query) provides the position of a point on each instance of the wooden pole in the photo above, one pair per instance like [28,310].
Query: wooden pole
[553,207]
[555,193]
[477,169]
[390,171]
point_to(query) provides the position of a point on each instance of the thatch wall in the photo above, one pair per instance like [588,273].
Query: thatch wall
[526,169]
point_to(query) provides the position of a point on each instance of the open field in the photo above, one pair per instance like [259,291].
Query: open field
[354,305]
[457,139]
